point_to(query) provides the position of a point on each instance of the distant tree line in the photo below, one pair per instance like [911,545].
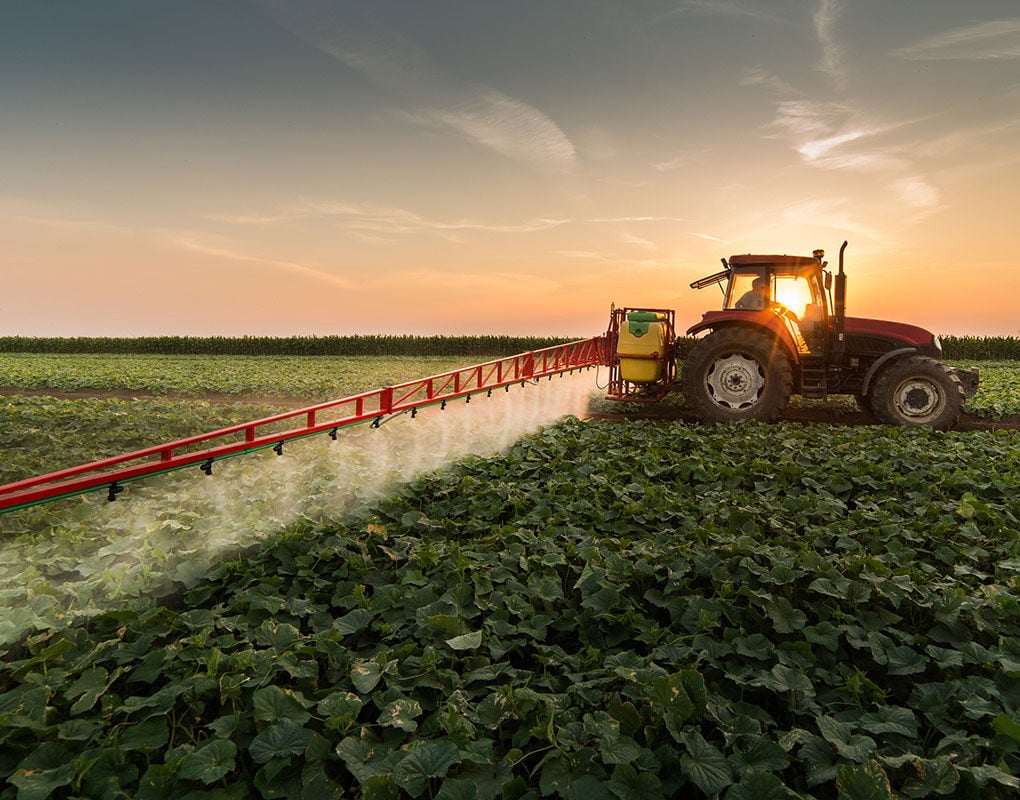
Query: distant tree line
[381,345]
[982,348]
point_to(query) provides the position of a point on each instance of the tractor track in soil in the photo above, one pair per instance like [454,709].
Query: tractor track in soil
[813,415]
[817,416]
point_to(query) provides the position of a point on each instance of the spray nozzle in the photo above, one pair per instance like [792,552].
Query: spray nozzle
[115,489]
[278,449]
[332,434]
[207,467]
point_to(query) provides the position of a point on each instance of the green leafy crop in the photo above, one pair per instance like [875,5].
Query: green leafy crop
[609,610]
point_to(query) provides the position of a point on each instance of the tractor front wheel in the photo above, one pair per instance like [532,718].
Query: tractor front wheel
[736,374]
[917,391]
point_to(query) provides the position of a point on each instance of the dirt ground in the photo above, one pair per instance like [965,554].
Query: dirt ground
[816,415]
[807,415]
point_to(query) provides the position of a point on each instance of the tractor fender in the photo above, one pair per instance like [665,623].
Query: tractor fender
[880,362]
[752,320]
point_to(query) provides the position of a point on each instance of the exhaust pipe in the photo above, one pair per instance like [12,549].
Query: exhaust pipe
[839,309]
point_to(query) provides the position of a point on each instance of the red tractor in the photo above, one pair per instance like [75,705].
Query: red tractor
[783,330]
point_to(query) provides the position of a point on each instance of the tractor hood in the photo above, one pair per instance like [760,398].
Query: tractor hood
[909,335]
[897,333]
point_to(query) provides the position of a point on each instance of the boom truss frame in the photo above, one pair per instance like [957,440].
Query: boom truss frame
[330,417]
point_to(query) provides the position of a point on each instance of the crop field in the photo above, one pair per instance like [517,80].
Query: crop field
[310,378]
[599,609]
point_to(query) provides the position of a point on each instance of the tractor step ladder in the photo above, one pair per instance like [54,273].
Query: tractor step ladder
[813,377]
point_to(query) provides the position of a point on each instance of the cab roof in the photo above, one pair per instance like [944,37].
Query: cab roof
[748,260]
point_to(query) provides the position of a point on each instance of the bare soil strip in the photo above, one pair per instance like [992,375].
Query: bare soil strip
[808,416]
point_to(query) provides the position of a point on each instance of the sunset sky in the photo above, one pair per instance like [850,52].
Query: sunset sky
[293,167]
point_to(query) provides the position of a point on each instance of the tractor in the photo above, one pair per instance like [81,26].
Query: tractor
[783,330]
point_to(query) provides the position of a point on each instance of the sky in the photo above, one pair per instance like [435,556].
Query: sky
[319,167]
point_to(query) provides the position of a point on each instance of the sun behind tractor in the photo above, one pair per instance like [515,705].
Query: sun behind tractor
[783,330]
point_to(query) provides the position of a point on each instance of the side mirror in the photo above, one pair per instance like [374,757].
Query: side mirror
[828,281]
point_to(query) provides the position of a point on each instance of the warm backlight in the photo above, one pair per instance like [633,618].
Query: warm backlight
[794,293]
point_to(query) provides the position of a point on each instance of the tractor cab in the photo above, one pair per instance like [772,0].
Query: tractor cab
[790,287]
[792,283]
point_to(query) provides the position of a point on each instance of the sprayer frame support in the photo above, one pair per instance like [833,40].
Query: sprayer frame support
[327,417]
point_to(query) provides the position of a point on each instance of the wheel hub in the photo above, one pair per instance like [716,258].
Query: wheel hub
[735,381]
[919,398]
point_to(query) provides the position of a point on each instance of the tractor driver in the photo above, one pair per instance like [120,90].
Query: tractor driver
[757,299]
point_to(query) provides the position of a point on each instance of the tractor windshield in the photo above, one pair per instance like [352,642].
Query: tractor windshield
[800,293]
[748,291]
[794,292]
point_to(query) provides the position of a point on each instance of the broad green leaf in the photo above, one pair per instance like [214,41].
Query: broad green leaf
[466,641]
[430,759]
[678,697]
[210,762]
[457,789]
[890,719]
[356,620]
[282,740]
[758,786]
[906,661]
[848,744]
[757,645]
[448,625]
[704,765]
[589,787]
[401,713]
[784,616]
[80,730]
[273,704]
[833,587]
[945,658]
[43,771]
[986,772]
[628,783]
[88,689]
[932,776]
[150,734]
[863,782]
[1005,725]
[341,705]
[365,675]
[788,679]
[825,634]
[760,754]
[818,756]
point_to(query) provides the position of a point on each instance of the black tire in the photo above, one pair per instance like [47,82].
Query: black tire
[917,391]
[864,405]
[736,374]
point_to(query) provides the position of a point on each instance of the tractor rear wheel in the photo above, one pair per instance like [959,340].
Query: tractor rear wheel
[917,391]
[736,374]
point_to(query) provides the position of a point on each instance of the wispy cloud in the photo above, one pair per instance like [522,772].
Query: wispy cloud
[814,214]
[832,136]
[724,8]
[196,245]
[996,39]
[825,19]
[507,126]
[481,115]
[382,219]
[916,193]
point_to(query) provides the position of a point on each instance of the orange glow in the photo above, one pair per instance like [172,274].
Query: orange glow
[794,293]
[328,168]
